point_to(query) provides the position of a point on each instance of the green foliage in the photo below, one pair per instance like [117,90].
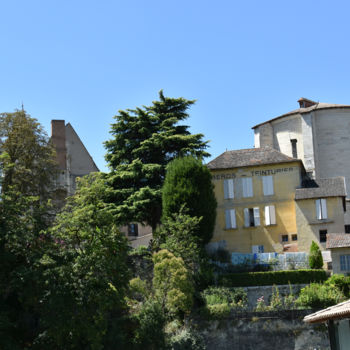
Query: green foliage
[221,254]
[150,331]
[87,273]
[186,339]
[177,234]
[271,277]
[27,166]
[188,182]
[276,302]
[340,282]
[216,311]
[144,141]
[172,283]
[138,288]
[261,305]
[319,296]
[315,256]
[223,295]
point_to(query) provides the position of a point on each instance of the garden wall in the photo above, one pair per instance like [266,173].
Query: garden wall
[253,293]
[264,331]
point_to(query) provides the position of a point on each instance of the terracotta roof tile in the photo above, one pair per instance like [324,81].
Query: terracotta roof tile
[338,240]
[338,311]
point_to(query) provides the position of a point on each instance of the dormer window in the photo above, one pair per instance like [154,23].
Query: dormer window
[293,143]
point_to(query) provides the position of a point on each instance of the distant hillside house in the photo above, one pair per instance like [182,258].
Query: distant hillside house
[267,203]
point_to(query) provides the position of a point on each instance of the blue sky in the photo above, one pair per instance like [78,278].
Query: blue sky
[243,61]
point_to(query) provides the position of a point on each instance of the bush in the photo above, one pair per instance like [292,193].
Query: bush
[340,282]
[150,331]
[319,296]
[271,277]
[186,339]
[315,256]
[223,295]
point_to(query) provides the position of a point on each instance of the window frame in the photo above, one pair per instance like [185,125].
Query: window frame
[230,218]
[345,263]
[321,209]
[247,187]
[229,189]
[270,215]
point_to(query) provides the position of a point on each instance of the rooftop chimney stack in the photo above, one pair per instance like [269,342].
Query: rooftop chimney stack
[305,103]
[58,138]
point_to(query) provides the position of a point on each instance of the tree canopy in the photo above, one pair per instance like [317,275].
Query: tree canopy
[144,140]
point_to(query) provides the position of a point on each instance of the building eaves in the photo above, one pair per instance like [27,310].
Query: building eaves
[321,188]
[338,311]
[337,240]
[249,157]
[317,106]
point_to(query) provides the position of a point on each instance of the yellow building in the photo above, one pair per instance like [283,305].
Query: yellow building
[257,207]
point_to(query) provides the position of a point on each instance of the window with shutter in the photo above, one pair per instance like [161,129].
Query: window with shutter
[247,185]
[228,189]
[230,218]
[270,215]
[268,185]
[344,262]
[256,217]
[321,209]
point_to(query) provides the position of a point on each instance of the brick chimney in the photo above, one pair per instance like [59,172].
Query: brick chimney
[58,138]
[305,103]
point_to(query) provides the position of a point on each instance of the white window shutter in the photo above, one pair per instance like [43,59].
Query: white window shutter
[272,215]
[244,187]
[318,209]
[267,216]
[250,186]
[227,219]
[270,185]
[256,217]
[324,208]
[225,189]
[230,188]
[233,218]
[246,217]
[267,185]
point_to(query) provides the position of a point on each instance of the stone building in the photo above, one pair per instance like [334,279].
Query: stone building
[318,134]
[339,245]
[73,158]
[267,203]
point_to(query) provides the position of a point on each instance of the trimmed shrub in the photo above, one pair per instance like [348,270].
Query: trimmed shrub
[271,277]
[315,256]
[319,296]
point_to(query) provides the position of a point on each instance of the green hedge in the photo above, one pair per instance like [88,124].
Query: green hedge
[247,279]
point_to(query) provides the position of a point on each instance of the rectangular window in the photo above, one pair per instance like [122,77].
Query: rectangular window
[347,228]
[247,185]
[294,237]
[323,236]
[257,249]
[293,142]
[267,185]
[270,215]
[251,217]
[284,238]
[228,189]
[344,262]
[230,218]
[321,209]
[133,229]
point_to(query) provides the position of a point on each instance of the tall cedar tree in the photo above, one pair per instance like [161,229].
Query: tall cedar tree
[188,182]
[144,141]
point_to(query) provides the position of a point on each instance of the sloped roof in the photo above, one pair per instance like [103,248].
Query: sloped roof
[317,106]
[338,311]
[338,240]
[320,188]
[249,157]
